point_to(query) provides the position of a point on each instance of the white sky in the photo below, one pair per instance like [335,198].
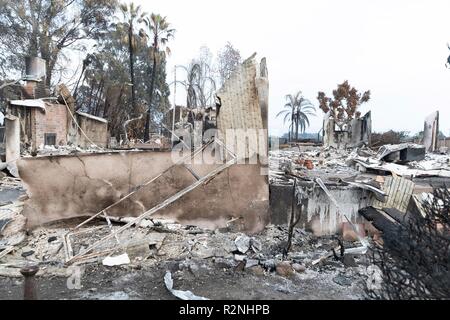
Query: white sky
[396,49]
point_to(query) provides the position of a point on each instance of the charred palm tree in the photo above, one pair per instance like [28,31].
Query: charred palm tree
[159,32]
[132,16]
[199,85]
[297,109]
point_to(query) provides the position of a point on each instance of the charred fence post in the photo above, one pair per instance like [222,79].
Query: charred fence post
[29,286]
[294,219]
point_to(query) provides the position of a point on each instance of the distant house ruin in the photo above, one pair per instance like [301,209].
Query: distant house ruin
[46,120]
[352,134]
[41,122]
[431,132]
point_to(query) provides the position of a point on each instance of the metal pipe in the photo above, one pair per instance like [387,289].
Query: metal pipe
[29,287]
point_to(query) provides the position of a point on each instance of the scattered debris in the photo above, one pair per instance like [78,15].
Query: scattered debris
[402,153]
[116,260]
[240,257]
[4,223]
[242,243]
[343,280]
[180,294]
[27,253]
[251,263]
[5,250]
[298,267]
[284,269]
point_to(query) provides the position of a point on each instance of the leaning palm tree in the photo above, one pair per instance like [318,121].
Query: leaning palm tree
[132,15]
[160,33]
[199,84]
[297,109]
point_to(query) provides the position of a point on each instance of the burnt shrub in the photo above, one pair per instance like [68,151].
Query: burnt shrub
[415,262]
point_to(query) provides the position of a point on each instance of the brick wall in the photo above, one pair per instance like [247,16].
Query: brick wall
[53,120]
[28,90]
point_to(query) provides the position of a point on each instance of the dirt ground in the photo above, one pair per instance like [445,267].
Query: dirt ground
[202,278]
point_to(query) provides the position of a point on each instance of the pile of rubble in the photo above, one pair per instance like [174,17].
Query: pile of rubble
[335,184]
[406,159]
[49,150]
[290,163]
[156,240]
[409,160]
[155,143]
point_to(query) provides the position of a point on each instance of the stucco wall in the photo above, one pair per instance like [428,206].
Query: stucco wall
[319,215]
[86,184]
[97,132]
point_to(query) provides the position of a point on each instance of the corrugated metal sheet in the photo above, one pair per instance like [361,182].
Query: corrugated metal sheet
[399,191]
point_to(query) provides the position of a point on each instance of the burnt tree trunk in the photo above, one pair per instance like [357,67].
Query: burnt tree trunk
[293,220]
[99,97]
[147,122]
[130,48]
[93,83]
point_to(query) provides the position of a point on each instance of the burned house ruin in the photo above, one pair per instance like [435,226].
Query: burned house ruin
[355,133]
[131,183]
[204,186]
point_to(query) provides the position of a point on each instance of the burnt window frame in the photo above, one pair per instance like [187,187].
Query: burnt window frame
[49,135]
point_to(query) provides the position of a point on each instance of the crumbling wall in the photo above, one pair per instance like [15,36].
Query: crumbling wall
[319,214]
[431,132]
[361,130]
[96,131]
[86,184]
[444,143]
[262,87]
[243,110]
[12,148]
[333,138]
[24,114]
[355,134]
[322,217]
[239,100]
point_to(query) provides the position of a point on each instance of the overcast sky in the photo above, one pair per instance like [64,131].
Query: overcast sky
[397,49]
